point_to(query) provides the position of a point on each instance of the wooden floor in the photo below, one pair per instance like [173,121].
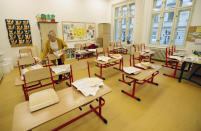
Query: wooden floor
[171,106]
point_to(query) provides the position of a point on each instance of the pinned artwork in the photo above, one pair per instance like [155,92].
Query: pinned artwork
[78,31]
[19,33]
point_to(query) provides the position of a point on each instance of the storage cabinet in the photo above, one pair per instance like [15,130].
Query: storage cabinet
[104,32]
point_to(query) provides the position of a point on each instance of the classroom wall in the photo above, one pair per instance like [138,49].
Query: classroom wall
[64,10]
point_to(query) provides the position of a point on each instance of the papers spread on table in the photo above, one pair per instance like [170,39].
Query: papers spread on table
[92,50]
[31,68]
[145,66]
[61,68]
[81,51]
[131,70]
[116,56]
[179,54]
[103,58]
[88,86]
[58,53]
[175,57]
[192,58]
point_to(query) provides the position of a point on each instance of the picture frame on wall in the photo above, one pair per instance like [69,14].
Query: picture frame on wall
[19,32]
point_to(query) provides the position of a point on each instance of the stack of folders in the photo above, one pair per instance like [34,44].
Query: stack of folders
[145,65]
[88,86]
[103,58]
[131,70]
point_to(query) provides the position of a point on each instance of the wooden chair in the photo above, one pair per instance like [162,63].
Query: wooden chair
[110,50]
[78,66]
[26,51]
[99,51]
[36,75]
[25,61]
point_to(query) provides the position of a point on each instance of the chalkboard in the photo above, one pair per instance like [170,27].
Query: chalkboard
[78,31]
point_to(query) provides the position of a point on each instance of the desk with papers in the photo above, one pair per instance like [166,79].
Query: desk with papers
[106,62]
[70,99]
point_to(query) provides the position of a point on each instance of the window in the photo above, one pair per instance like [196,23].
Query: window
[170,20]
[124,21]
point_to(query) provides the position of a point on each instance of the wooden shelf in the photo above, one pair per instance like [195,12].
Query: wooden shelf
[49,22]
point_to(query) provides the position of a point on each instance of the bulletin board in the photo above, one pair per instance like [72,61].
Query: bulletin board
[19,32]
[78,31]
[194,32]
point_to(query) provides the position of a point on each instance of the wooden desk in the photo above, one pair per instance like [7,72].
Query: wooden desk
[109,63]
[70,99]
[184,62]
[141,78]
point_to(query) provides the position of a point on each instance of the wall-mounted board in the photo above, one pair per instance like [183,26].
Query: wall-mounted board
[78,31]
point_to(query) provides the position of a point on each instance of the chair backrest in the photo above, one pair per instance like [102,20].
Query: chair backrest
[99,50]
[26,61]
[78,46]
[127,60]
[37,74]
[87,45]
[80,65]
[27,51]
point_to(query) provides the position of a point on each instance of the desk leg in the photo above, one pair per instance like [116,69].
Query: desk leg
[123,80]
[175,72]
[182,71]
[93,109]
[101,72]
[133,92]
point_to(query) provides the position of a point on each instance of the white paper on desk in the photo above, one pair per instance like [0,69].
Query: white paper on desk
[81,51]
[88,86]
[116,57]
[103,58]
[175,57]
[131,70]
[145,67]
[192,58]
[60,68]
[92,50]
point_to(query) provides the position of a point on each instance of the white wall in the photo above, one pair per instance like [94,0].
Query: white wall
[64,10]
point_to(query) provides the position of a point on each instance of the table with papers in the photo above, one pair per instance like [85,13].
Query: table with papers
[106,62]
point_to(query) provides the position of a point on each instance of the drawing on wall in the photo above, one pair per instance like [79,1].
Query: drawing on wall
[78,31]
[194,32]
[19,32]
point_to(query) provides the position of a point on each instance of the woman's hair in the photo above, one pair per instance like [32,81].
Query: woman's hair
[51,33]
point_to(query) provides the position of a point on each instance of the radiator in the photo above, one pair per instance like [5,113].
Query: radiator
[159,53]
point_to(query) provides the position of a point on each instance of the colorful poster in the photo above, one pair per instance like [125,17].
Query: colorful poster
[19,33]
[77,31]
[194,32]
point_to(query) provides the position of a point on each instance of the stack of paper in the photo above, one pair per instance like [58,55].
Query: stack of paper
[116,56]
[103,58]
[131,70]
[31,68]
[144,67]
[92,50]
[81,51]
[175,57]
[58,53]
[88,86]
[60,68]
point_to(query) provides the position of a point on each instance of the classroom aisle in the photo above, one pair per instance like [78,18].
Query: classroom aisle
[171,106]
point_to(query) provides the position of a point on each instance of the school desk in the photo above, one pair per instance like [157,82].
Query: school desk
[70,99]
[196,69]
[107,64]
[141,78]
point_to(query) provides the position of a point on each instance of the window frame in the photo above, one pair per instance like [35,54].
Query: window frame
[120,17]
[174,23]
